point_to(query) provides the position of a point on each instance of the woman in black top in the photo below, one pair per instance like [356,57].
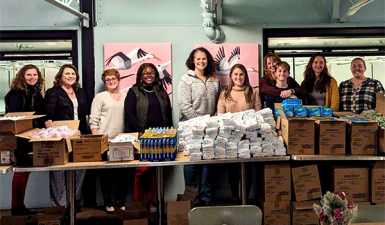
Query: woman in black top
[146,105]
[25,96]
[66,101]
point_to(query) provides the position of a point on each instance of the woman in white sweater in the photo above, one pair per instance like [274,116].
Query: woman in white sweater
[107,116]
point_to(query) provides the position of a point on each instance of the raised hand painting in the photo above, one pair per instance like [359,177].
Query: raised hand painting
[246,54]
[127,57]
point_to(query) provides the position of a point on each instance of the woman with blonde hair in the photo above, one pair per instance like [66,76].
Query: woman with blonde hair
[25,96]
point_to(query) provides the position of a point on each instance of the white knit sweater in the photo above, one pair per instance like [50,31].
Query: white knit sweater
[107,114]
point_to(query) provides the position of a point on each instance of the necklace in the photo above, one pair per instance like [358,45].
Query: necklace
[148,91]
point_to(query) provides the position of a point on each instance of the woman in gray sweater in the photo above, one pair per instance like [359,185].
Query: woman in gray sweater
[198,94]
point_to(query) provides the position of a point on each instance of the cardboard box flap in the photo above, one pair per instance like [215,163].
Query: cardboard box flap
[179,207]
[27,133]
[28,115]
[73,124]
[307,205]
[380,103]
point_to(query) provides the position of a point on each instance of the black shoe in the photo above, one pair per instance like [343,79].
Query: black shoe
[21,211]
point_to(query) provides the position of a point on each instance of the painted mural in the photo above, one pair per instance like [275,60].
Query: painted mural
[227,55]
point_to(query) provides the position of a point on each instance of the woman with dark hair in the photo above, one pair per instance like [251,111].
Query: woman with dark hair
[25,96]
[66,100]
[198,94]
[268,82]
[236,97]
[359,93]
[319,87]
[146,105]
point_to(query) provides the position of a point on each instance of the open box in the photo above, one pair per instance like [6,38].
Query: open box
[123,151]
[52,151]
[363,137]
[10,127]
[330,135]
[380,107]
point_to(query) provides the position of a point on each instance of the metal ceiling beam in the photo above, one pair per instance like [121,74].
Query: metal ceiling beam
[219,12]
[336,11]
[352,10]
[65,5]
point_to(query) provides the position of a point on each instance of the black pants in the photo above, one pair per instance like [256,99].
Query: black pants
[234,176]
[114,184]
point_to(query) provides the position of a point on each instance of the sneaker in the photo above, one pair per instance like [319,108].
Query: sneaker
[21,210]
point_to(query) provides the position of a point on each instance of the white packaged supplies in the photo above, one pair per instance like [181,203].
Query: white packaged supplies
[243,147]
[195,142]
[219,151]
[222,140]
[208,156]
[210,136]
[229,149]
[197,137]
[244,142]
[255,149]
[221,156]
[208,149]
[208,143]
[238,116]
[257,155]
[280,151]
[231,155]
[198,132]
[185,152]
[256,139]
[231,144]
[195,157]
[244,156]
[255,144]
[213,130]
[249,113]
[225,116]
[224,135]
[235,140]
[193,149]
[244,151]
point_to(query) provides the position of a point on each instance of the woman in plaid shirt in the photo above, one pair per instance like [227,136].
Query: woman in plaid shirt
[359,93]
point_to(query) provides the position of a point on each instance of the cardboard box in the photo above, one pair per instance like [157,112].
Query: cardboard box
[363,137]
[89,148]
[354,181]
[378,183]
[52,216]
[275,182]
[52,151]
[134,210]
[276,213]
[136,222]
[6,154]
[177,212]
[303,213]
[189,194]
[14,127]
[380,107]
[123,151]
[306,183]
[14,220]
[330,136]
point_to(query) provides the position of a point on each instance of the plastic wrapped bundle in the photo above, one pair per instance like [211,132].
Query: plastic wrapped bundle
[195,156]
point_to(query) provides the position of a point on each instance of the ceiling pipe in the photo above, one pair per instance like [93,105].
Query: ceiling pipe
[210,27]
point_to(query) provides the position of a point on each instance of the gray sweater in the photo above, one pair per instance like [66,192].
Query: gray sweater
[196,98]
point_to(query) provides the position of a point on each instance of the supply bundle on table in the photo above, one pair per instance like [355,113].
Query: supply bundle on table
[158,144]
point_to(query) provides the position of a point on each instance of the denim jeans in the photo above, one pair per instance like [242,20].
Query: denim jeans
[198,176]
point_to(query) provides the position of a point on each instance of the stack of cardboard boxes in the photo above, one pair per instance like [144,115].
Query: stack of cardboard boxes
[307,186]
[275,194]
[378,184]
[177,212]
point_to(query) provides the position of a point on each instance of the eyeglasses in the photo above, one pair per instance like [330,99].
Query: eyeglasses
[148,74]
[111,80]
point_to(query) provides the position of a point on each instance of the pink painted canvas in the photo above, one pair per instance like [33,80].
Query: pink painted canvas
[127,57]
[227,55]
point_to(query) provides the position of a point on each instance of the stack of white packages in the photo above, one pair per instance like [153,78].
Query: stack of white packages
[238,135]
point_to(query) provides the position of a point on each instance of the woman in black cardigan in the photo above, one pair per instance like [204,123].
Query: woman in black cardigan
[25,96]
[66,101]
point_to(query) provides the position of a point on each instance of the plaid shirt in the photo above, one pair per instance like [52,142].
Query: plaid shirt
[363,98]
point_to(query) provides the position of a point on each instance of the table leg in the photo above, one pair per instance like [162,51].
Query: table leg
[159,181]
[243,183]
[71,194]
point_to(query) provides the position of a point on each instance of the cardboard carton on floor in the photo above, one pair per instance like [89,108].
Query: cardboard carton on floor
[354,181]
[378,183]
[89,148]
[303,213]
[363,137]
[52,216]
[134,210]
[306,183]
[331,136]
[123,151]
[275,182]
[52,151]
[136,222]
[380,107]
[14,220]
[275,212]
[189,194]
[177,212]
[298,134]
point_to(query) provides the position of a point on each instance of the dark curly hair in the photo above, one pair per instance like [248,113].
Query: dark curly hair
[310,77]
[158,82]
[18,83]
[59,75]
[246,83]
[210,68]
